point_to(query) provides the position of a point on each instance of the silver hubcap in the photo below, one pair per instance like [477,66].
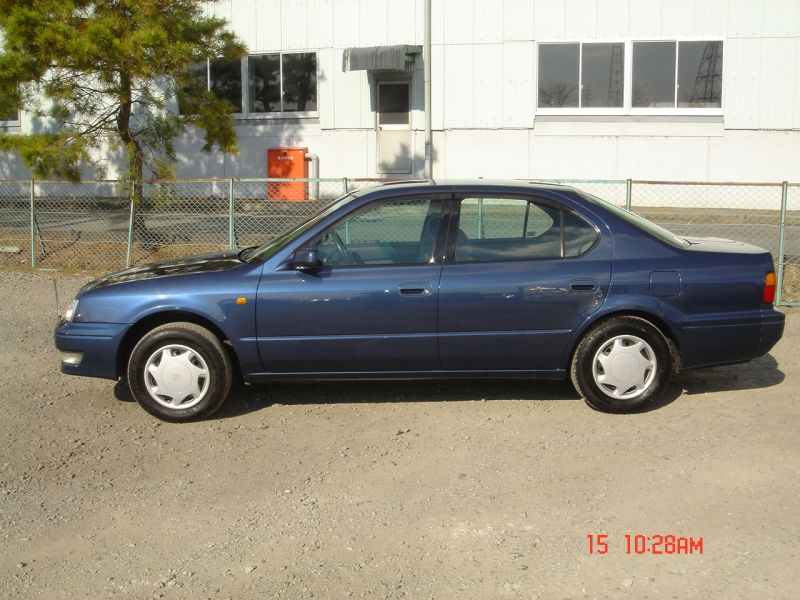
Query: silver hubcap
[176,376]
[624,367]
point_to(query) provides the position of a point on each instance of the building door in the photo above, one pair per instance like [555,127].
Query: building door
[394,127]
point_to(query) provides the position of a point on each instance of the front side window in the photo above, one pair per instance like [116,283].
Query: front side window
[389,233]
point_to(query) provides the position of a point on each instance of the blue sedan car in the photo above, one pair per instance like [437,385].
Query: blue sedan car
[432,280]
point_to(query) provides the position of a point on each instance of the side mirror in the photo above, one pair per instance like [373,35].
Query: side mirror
[307,259]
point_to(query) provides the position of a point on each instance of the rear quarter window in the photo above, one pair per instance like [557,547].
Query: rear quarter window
[579,235]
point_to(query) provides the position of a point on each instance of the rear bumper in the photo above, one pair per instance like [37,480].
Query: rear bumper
[771,331]
[97,345]
[727,340]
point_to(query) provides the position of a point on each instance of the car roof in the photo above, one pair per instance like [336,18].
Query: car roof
[519,185]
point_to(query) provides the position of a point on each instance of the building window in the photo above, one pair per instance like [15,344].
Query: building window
[581,75]
[275,83]
[11,118]
[299,82]
[680,76]
[282,82]
[677,74]
[225,81]
[264,81]
[700,74]
[602,74]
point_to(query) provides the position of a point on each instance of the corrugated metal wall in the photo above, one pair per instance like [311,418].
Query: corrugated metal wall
[484,69]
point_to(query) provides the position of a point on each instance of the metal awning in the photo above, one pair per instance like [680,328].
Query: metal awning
[380,58]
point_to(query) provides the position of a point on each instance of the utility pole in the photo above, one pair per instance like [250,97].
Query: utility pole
[426,58]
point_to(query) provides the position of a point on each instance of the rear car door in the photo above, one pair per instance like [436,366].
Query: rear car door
[520,275]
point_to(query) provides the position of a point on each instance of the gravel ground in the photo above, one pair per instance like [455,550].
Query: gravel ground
[390,490]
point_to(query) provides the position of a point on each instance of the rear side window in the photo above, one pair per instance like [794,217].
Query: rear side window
[508,229]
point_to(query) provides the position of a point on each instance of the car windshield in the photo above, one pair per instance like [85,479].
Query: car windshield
[266,251]
[665,235]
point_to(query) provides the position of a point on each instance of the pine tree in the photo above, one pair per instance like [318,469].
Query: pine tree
[107,76]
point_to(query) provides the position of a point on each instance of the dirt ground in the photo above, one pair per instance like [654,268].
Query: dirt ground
[391,490]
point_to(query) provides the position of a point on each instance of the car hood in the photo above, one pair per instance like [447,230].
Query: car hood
[201,263]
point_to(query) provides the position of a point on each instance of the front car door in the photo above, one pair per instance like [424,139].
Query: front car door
[371,308]
[520,275]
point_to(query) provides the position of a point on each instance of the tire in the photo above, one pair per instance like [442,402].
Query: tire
[189,365]
[622,365]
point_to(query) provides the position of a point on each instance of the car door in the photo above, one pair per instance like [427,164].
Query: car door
[520,275]
[371,308]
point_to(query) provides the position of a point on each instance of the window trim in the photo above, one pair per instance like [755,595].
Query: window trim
[627,108]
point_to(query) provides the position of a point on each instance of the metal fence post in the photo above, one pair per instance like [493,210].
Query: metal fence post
[33,227]
[231,231]
[131,219]
[345,185]
[784,201]
[628,194]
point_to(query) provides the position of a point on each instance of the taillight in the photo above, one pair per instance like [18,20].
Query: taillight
[768,297]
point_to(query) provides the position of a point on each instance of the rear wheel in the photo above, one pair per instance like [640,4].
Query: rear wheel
[622,365]
[180,372]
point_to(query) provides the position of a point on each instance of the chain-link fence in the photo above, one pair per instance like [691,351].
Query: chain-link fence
[91,225]
[744,212]
[790,248]
[15,222]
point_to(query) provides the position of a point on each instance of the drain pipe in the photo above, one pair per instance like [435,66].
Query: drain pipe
[314,187]
[426,58]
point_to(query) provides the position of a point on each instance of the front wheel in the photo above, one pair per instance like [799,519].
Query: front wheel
[180,372]
[622,365]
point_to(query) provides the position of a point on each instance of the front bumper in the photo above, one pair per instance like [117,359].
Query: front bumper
[97,344]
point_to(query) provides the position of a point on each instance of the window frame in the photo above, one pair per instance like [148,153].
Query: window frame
[627,108]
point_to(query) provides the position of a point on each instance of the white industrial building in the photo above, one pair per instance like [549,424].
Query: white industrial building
[700,90]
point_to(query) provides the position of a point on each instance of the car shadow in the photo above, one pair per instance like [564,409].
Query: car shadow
[756,374]
[247,399]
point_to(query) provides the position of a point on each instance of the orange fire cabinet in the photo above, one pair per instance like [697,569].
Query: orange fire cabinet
[287,163]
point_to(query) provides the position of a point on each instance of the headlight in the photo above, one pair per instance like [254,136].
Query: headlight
[70,312]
